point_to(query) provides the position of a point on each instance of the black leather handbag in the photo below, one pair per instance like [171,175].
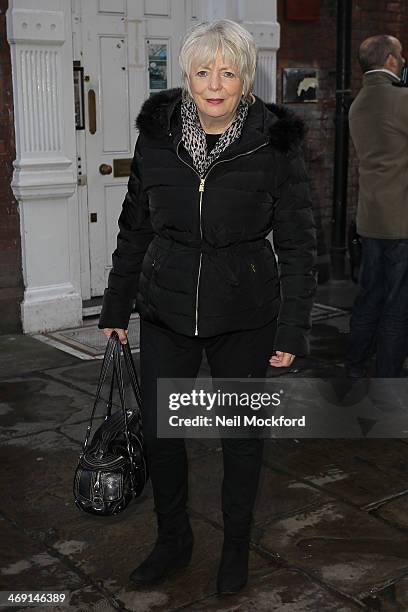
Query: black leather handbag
[112,469]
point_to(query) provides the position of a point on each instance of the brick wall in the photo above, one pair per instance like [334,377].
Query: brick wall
[313,44]
[11,282]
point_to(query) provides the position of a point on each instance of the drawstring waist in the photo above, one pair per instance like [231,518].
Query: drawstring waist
[222,257]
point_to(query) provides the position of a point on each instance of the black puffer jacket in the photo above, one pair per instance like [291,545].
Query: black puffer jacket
[194,252]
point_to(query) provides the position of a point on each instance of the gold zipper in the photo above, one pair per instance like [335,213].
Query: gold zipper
[201,191]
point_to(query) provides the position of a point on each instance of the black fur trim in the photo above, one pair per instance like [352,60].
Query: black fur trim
[153,118]
[289,131]
[286,133]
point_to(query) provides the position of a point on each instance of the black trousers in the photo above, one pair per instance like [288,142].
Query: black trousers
[379,319]
[164,353]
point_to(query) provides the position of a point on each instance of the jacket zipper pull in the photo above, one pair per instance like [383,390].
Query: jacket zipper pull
[201,187]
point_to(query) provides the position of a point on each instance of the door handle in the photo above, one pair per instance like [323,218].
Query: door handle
[92,111]
[105,169]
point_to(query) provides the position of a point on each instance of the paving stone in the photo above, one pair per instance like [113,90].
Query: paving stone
[345,548]
[282,590]
[26,565]
[43,441]
[23,353]
[33,404]
[395,511]
[394,598]
[278,494]
[84,375]
[361,471]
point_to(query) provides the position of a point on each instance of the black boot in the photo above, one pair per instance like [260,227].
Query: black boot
[171,552]
[233,569]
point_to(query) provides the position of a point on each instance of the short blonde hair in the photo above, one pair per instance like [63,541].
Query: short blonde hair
[235,43]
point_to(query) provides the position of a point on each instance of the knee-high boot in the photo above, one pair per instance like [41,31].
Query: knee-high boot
[173,548]
[242,463]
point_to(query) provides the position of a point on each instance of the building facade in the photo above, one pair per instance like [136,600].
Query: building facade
[80,72]
[73,74]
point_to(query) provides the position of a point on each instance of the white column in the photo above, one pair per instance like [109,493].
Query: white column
[44,180]
[259,17]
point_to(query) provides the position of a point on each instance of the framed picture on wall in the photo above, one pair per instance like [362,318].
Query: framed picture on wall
[299,85]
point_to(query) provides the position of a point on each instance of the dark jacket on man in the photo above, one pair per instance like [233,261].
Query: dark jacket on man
[194,253]
[379,130]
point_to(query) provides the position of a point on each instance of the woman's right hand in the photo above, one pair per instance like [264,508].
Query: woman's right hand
[122,333]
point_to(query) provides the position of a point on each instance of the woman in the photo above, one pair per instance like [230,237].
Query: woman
[214,171]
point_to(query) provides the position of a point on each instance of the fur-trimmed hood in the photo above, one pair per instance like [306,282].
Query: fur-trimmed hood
[286,131]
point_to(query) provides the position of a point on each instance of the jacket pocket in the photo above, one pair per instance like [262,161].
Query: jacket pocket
[254,275]
[263,274]
[158,260]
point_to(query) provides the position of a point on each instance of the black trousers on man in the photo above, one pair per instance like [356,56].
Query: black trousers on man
[167,354]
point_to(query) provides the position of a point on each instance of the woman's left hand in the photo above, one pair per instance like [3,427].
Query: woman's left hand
[281,360]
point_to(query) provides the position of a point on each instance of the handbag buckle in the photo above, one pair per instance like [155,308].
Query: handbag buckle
[97,497]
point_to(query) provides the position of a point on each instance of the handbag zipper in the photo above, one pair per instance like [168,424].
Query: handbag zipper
[201,191]
[103,464]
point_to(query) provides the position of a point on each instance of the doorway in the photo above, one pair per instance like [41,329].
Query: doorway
[123,51]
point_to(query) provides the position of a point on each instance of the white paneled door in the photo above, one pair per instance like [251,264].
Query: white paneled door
[128,49]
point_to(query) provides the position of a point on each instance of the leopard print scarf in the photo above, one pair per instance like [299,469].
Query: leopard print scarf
[193,135]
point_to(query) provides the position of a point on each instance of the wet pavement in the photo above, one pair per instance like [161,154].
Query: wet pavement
[330,526]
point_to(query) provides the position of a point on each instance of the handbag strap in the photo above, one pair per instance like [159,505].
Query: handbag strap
[107,358]
[131,369]
[110,401]
[119,377]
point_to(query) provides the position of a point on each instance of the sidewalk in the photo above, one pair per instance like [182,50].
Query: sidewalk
[331,521]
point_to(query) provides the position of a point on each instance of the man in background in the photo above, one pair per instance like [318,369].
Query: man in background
[379,130]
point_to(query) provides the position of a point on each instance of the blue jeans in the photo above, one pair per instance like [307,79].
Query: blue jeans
[379,319]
